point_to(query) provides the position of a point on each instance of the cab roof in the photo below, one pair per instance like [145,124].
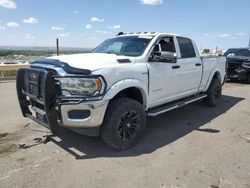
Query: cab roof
[144,33]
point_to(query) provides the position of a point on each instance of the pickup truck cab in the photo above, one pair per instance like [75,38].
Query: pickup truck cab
[112,90]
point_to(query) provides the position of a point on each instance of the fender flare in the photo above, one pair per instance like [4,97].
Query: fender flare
[125,84]
[211,77]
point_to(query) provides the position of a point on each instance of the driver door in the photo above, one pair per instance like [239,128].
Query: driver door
[164,76]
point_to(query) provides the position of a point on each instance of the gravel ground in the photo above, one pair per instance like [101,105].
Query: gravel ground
[194,146]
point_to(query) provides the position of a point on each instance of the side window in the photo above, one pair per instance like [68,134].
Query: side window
[186,47]
[166,44]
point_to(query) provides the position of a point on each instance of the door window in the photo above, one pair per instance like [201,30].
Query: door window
[186,47]
[166,44]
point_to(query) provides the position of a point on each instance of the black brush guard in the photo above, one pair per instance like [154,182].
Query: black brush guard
[36,89]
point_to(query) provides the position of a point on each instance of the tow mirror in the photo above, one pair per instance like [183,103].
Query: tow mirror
[168,57]
[162,56]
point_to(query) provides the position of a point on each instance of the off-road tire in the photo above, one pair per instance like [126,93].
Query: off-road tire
[248,78]
[111,131]
[214,93]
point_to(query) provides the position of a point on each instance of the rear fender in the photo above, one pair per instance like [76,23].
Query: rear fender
[211,76]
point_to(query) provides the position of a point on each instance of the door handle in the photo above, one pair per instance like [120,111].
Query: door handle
[176,66]
[198,64]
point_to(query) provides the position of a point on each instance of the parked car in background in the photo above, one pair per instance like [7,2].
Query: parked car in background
[238,60]
[110,91]
[10,63]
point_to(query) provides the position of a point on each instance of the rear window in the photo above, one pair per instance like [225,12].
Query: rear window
[186,47]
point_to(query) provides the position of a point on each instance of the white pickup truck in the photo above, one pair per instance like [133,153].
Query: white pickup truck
[112,90]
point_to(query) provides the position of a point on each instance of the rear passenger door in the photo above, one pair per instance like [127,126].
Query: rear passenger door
[191,66]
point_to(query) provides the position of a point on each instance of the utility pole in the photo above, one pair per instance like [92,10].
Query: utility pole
[57,46]
[249,41]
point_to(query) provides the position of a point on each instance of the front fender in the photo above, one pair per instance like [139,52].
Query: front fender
[125,84]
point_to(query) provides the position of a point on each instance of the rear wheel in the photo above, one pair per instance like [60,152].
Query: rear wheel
[124,123]
[214,93]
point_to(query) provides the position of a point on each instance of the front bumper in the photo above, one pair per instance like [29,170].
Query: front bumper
[39,100]
[92,114]
[237,74]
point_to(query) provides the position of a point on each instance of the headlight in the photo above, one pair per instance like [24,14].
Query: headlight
[82,86]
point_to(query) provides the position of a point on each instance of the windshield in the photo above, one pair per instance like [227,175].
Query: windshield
[127,45]
[238,52]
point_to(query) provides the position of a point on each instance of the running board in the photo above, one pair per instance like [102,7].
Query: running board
[173,105]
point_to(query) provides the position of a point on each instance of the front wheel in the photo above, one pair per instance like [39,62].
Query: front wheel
[124,123]
[214,93]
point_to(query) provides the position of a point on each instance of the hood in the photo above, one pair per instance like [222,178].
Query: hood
[238,59]
[93,61]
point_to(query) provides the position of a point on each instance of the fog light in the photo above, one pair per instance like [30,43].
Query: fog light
[79,114]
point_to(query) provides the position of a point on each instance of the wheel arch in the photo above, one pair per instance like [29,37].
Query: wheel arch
[215,74]
[131,88]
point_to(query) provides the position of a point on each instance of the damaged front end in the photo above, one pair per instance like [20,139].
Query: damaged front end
[238,69]
[42,97]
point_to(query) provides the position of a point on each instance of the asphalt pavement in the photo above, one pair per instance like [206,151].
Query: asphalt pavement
[194,146]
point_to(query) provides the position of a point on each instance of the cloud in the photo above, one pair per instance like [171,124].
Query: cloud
[95,19]
[151,2]
[115,27]
[12,24]
[75,11]
[88,26]
[102,32]
[94,38]
[2,27]
[55,28]
[63,35]
[29,36]
[8,4]
[30,20]
[241,34]
[212,36]
[224,35]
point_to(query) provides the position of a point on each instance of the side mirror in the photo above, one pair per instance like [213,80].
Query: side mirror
[168,57]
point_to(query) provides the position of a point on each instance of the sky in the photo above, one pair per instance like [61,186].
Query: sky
[86,23]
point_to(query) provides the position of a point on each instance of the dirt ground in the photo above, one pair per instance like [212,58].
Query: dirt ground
[194,146]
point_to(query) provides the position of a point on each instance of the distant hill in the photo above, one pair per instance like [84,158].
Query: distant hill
[38,48]
[12,51]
